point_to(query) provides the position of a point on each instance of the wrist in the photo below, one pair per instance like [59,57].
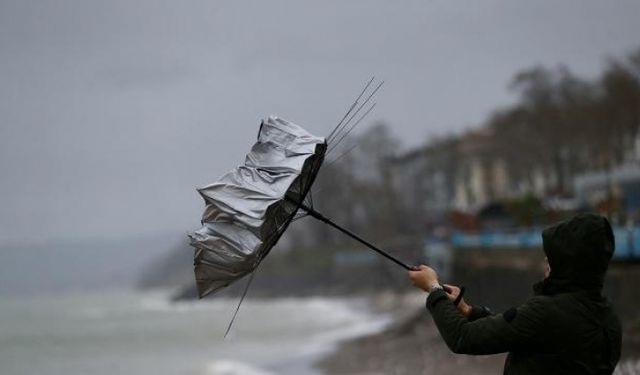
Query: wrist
[465,309]
[433,287]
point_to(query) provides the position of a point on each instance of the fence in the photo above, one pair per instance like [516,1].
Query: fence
[627,241]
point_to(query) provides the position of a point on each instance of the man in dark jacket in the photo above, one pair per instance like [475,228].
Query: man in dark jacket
[568,327]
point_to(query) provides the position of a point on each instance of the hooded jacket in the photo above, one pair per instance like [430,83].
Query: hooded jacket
[568,327]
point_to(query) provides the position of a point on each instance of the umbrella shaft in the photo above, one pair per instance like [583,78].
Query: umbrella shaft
[320,217]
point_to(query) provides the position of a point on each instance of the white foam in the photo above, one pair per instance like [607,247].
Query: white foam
[229,367]
[352,323]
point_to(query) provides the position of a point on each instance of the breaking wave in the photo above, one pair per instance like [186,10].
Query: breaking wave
[229,367]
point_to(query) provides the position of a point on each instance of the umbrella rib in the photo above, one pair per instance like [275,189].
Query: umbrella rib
[353,147]
[350,108]
[356,112]
[329,138]
[353,126]
[365,102]
[244,294]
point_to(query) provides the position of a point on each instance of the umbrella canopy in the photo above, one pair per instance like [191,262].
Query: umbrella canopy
[249,208]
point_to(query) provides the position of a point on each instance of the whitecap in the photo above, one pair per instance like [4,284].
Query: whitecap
[228,367]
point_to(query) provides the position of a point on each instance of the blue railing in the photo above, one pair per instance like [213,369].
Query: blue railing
[627,241]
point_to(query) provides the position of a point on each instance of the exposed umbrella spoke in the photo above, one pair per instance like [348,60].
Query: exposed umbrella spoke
[332,162]
[244,294]
[347,115]
[355,103]
[364,103]
[357,111]
[333,132]
[352,127]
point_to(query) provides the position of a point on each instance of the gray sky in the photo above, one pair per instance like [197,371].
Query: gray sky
[112,112]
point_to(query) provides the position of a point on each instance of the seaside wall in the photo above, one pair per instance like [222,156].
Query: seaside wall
[501,278]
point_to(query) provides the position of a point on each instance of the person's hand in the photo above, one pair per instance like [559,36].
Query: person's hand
[453,292]
[424,277]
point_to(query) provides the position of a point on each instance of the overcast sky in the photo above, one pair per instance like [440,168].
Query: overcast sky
[112,112]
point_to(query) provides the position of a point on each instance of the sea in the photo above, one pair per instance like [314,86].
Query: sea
[133,332]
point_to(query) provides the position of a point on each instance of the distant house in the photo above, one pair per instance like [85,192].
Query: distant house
[482,174]
[622,182]
[465,174]
[425,177]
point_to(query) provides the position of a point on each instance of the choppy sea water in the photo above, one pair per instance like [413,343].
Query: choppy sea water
[127,332]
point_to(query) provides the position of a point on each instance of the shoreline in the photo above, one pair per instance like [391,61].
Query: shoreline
[322,345]
[411,344]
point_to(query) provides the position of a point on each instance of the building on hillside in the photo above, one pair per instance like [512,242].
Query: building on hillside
[482,174]
[621,184]
[424,177]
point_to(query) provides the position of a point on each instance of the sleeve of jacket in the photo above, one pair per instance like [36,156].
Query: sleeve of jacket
[478,312]
[519,329]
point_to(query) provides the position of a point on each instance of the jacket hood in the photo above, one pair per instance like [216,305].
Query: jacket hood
[578,251]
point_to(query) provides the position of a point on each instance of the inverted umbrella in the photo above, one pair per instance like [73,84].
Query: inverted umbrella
[250,207]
